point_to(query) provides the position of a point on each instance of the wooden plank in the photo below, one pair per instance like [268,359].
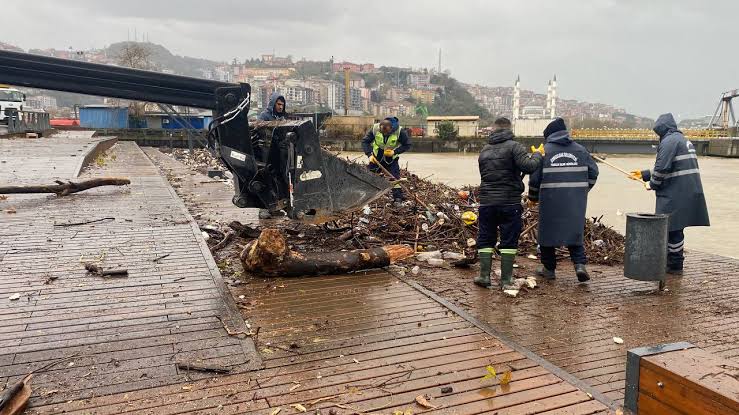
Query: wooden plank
[651,406]
[676,378]
[583,408]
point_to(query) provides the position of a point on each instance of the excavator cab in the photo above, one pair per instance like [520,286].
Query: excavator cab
[280,165]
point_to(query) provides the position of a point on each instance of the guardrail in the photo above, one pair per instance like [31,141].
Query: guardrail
[639,134]
[21,122]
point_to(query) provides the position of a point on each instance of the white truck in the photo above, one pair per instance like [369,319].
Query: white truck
[11,100]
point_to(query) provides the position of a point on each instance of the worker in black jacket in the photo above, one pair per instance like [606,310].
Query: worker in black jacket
[384,142]
[503,163]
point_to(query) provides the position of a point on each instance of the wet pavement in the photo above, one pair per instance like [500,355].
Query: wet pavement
[114,334]
[573,325]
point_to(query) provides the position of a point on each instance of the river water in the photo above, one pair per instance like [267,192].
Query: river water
[614,194]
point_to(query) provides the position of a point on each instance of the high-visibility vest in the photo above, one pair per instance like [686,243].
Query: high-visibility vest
[381,143]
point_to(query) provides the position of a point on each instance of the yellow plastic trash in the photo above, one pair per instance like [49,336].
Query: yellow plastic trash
[469,218]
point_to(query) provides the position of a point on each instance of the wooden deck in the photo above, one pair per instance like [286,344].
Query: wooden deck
[367,343]
[123,334]
[573,326]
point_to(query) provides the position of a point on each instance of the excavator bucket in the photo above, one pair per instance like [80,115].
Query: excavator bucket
[292,172]
[324,185]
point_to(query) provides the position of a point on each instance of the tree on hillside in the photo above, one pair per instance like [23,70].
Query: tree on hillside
[422,110]
[454,99]
[137,56]
[447,130]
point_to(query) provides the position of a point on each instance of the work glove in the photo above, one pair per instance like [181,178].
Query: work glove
[636,175]
[539,149]
[389,152]
[372,159]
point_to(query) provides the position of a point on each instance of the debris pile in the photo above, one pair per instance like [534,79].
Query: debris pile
[200,159]
[436,220]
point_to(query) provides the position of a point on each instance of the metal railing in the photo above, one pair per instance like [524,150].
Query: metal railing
[639,133]
[21,122]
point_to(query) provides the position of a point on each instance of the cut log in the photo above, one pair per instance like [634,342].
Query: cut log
[270,256]
[64,188]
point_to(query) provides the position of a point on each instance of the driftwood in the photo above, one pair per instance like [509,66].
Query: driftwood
[64,188]
[269,255]
[13,401]
[226,239]
[244,231]
[186,366]
[94,269]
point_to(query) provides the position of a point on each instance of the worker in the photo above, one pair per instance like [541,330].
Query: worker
[384,142]
[560,187]
[676,181]
[276,109]
[503,162]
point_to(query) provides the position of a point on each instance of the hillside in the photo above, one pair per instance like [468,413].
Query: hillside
[454,99]
[162,58]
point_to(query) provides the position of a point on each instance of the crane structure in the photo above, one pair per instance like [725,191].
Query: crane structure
[725,112]
[277,165]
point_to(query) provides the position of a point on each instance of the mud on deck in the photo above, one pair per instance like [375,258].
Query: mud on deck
[361,343]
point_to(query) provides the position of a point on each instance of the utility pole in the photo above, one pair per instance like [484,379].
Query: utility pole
[439,69]
[347,92]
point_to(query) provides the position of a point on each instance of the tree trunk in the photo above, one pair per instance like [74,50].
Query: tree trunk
[270,256]
[63,189]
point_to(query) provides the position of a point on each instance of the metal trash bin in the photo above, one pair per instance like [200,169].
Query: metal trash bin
[645,256]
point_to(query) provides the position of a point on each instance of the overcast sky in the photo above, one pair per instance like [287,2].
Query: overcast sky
[649,56]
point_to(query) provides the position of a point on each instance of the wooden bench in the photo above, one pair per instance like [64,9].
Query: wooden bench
[679,378]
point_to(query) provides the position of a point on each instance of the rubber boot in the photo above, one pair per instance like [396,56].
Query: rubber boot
[582,273]
[486,263]
[674,271]
[506,267]
[545,272]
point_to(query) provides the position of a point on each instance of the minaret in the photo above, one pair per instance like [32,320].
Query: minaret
[549,98]
[553,107]
[516,97]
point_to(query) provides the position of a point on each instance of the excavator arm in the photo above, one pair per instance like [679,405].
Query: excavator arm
[276,165]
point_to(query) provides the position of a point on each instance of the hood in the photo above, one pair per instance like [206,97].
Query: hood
[395,122]
[499,136]
[560,137]
[273,100]
[558,124]
[664,125]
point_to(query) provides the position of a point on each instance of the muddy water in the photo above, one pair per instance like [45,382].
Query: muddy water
[615,195]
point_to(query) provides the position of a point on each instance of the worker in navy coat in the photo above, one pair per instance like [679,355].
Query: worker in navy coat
[561,186]
[676,180]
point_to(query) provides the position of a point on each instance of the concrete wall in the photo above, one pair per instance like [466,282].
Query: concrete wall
[717,147]
[530,128]
[465,128]
[724,147]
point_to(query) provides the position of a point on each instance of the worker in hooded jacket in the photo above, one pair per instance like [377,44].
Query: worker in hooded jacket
[384,142]
[276,108]
[561,186]
[677,183]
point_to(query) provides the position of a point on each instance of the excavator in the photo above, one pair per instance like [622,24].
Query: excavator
[276,165]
